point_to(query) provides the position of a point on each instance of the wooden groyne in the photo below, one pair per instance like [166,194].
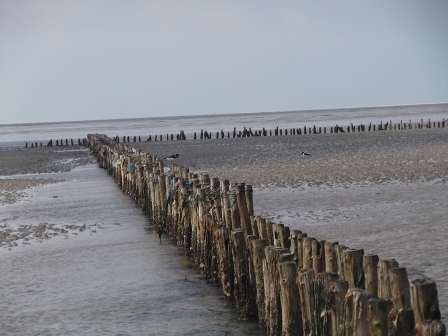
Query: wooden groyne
[248,132]
[57,142]
[290,283]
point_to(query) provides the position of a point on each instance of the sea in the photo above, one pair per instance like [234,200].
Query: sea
[109,274]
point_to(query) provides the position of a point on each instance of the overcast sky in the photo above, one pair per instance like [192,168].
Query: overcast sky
[100,59]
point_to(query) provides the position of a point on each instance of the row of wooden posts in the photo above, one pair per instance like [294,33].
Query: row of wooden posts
[290,283]
[248,132]
[58,143]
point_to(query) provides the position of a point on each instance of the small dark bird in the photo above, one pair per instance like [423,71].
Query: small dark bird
[305,154]
[172,157]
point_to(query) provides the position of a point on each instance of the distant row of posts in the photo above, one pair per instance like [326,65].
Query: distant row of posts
[248,132]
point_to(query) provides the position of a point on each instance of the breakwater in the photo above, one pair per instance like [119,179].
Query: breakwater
[57,142]
[248,132]
[287,281]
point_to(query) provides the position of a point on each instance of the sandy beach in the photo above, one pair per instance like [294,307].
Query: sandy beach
[385,191]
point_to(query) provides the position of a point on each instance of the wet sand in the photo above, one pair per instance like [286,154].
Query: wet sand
[385,192]
[336,159]
[16,163]
[21,172]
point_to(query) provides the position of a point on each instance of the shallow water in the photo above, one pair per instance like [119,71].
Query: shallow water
[114,278]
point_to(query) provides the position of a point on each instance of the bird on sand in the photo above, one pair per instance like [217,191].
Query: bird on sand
[172,157]
[305,154]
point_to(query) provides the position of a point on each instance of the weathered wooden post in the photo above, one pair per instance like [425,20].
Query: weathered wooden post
[242,207]
[294,238]
[353,269]
[225,203]
[425,302]
[250,199]
[254,226]
[339,258]
[300,238]
[307,252]
[401,322]
[356,312]
[290,300]
[257,248]
[241,271]
[272,289]
[430,328]
[331,264]
[371,274]
[400,289]
[270,233]
[318,255]
[305,281]
[378,316]
[261,224]
[384,266]
[281,235]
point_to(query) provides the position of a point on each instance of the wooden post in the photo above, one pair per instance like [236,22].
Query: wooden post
[353,269]
[384,290]
[317,252]
[328,297]
[339,249]
[225,262]
[425,301]
[400,290]
[300,239]
[242,207]
[401,322]
[270,233]
[225,203]
[305,281]
[294,237]
[272,289]
[250,199]
[281,236]
[307,252]
[241,273]
[337,290]
[290,300]
[356,312]
[261,223]
[257,248]
[331,264]
[371,274]
[430,328]
[254,226]
[377,316]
